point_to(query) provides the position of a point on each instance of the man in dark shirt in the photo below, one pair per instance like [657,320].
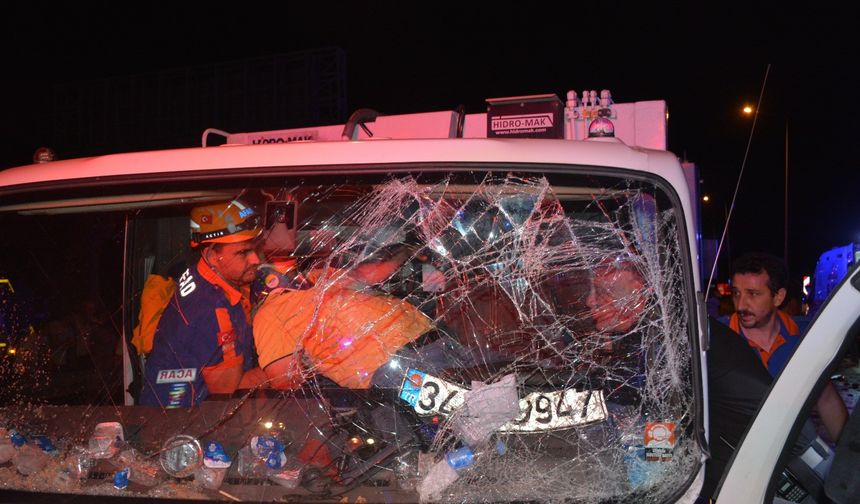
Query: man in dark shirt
[759,284]
[737,384]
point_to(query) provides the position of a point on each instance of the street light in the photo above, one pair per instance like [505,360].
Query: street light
[749,110]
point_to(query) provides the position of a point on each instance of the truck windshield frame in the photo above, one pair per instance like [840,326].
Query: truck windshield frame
[504,240]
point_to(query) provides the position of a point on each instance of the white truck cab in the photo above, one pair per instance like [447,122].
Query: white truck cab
[551,249]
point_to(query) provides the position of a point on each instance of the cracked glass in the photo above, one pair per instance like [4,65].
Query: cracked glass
[459,336]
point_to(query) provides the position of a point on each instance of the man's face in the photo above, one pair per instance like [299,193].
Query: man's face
[616,299]
[754,303]
[235,262]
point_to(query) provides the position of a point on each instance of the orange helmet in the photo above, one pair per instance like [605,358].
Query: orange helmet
[227,222]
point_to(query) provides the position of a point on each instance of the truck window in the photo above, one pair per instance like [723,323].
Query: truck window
[460,335]
[62,315]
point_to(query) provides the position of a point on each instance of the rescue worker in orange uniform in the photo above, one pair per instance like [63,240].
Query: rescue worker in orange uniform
[203,343]
[340,328]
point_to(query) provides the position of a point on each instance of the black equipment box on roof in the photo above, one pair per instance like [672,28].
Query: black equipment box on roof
[537,116]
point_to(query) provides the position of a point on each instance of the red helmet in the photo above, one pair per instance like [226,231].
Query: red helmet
[227,222]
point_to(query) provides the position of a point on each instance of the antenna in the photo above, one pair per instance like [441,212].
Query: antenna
[738,185]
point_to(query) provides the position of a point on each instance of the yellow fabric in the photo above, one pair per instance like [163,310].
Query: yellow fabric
[345,334]
[155,297]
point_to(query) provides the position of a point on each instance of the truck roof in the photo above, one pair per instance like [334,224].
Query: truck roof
[437,137]
[319,155]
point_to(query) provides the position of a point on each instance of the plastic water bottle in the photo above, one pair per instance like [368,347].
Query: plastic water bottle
[249,465]
[46,445]
[263,456]
[270,450]
[140,470]
[102,443]
[441,475]
[267,457]
[17,439]
[634,460]
[32,456]
[76,466]
[216,463]
[29,459]
[447,470]
[120,479]
[290,474]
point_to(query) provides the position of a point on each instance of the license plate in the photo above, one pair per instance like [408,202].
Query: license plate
[539,411]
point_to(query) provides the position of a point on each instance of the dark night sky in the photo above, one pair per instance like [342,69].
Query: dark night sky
[462,55]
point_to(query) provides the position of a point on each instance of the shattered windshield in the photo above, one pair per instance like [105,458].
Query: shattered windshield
[461,337]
